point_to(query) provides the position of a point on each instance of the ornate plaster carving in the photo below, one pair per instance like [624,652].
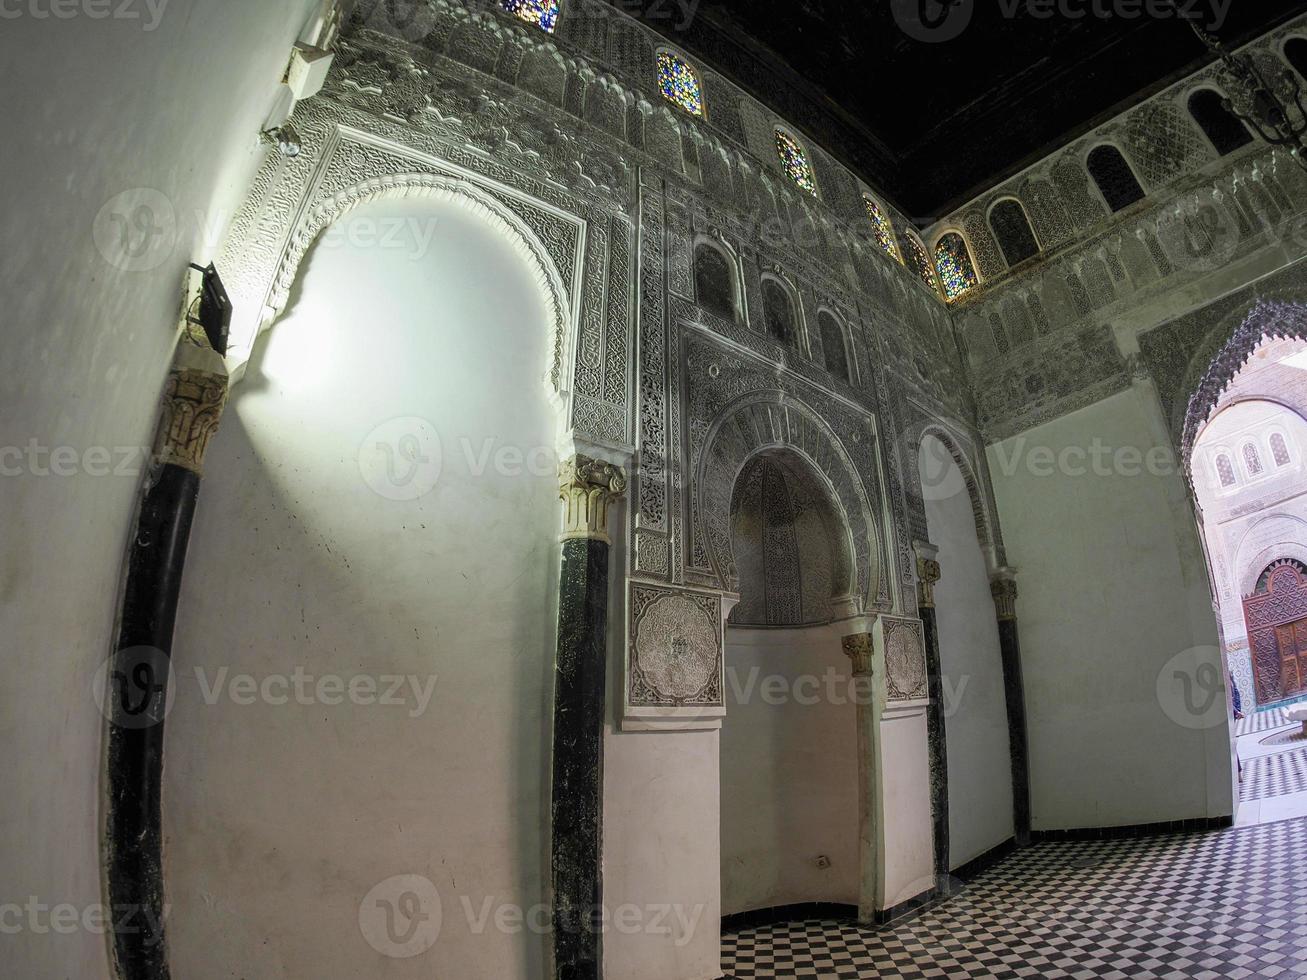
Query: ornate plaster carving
[587,487]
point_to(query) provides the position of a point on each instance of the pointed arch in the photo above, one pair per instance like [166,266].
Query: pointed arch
[439,187]
[980,512]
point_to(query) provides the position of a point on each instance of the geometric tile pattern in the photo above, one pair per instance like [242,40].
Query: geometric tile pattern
[1181,907]
[1274,775]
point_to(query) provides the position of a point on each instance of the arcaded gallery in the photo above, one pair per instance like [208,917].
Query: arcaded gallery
[653,489]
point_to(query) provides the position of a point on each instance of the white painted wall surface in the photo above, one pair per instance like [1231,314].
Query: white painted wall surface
[1114,614]
[906,834]
[282,817]
[971,664]
[106,106]
[662,866]
[789,770]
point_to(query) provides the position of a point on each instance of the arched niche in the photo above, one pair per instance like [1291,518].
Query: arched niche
[770,421]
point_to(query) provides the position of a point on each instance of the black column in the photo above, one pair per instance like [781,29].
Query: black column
[135,697]
[586,486]
[1004,588]
[135,700]
[579,680]
[938,746]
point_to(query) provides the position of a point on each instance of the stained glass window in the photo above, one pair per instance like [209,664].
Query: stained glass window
[542,13]
[919,261]
[954,265]
[881,228]
[1252,459]
[679,83]
[1225,470]
[1279,449]
[795,161]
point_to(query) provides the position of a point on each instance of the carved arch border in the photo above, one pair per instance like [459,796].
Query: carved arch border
[1251,569]
[984,521]
[715,475]
[1267,320]
[442,188]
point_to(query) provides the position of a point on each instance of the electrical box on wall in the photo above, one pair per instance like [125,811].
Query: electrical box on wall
[308,70]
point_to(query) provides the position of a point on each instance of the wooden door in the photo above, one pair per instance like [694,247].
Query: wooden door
[1276,616]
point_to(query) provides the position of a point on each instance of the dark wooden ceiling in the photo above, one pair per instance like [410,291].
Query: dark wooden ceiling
[934,122]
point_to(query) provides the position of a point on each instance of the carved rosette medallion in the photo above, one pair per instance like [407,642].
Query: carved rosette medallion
[905,659]
[928,573]
[193,402]
[676,648]
[587,486]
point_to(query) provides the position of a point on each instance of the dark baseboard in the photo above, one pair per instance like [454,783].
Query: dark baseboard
[1192,825]
[802,912]
[977,866]
[907,910]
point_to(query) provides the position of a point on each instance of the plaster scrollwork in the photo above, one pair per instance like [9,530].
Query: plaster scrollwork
[905,658]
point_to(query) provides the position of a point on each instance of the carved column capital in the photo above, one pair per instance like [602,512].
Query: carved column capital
[1003,586]
[587,486]
[193,402]
[928,573]
[860,649]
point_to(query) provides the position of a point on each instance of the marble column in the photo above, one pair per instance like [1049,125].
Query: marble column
[861,651]
[928,573]
[137,680]
[587,487]
[1003,586]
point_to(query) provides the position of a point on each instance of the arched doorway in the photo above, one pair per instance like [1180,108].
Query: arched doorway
[971,687]
[1248,469]
[789,754]
[376,555]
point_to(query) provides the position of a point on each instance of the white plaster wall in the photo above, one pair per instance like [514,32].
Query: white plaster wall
[97,107]
[789,770]
[1114,612]
[971,664]
[661,855]
[281,818]
[906,835]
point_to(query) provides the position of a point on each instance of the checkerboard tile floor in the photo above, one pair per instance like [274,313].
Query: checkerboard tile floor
[1180,907]
[1274,775]
[1261,721]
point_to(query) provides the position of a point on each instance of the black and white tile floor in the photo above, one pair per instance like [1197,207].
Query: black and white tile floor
[1182,907]
[1275,775]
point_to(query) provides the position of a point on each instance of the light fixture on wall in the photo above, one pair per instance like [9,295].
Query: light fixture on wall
[285,138]
[1269,117]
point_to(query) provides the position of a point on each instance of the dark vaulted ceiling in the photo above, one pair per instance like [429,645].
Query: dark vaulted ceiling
[934,122]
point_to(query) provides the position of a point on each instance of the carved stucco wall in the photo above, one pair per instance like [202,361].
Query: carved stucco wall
[791,554]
